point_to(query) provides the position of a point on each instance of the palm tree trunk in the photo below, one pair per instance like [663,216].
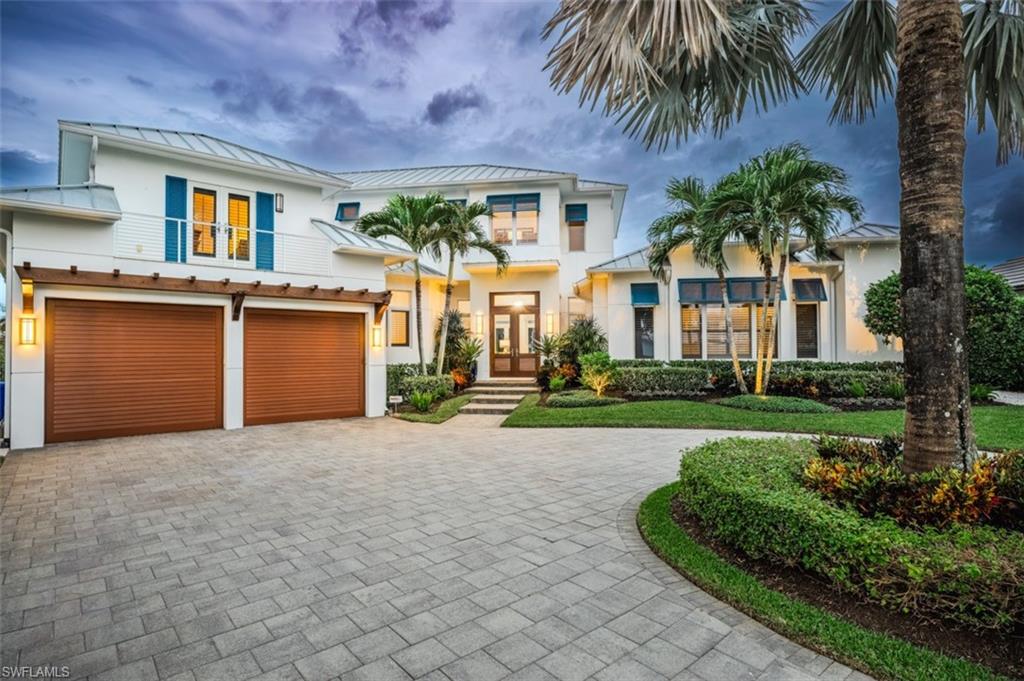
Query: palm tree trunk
[444,317]
[930,112]
[419,318]
[770,344]
[762,333]
[740,383]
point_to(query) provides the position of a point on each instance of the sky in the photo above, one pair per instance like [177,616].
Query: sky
[372,84]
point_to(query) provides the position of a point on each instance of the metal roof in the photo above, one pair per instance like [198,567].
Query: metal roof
[1013,271]
[591,185]
[453,174]
[406,268]
[89,200]
[194,143]
[869,231]
[349,241]
[634,261]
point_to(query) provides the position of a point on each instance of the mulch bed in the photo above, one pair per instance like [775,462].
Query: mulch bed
[1003,653]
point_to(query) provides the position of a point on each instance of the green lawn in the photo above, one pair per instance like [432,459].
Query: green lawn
[878,654]
[444,411]
[997,427]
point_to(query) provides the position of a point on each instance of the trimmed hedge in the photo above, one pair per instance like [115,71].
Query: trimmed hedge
[440,386]
[774,403]
[661,381]
[581,398]
[748,494]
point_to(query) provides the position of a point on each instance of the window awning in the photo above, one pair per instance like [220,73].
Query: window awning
[575,212]
[808,290]
[644,295]
[741,290]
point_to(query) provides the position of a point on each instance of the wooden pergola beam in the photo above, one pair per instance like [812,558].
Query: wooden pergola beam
[155,282]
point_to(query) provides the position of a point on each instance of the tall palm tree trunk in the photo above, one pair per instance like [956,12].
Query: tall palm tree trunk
[762,334]
[444,317]
[729,339]
[930,112]
[419,318]
[770,343]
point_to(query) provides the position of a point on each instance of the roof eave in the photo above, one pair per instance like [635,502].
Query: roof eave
[390,257]
[91,214]
[458,183]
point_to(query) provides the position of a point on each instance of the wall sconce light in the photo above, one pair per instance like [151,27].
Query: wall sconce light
[377,336]
[479,323]
[28,330]
[278,203]
[550,323]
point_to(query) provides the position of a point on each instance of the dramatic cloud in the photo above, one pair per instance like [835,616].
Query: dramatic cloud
[16,102]
[19,167]
[443,106]
[995,234]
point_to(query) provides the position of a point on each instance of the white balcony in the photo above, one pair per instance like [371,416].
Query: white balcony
[143,237]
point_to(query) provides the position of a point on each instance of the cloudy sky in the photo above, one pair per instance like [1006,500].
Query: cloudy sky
[362,85]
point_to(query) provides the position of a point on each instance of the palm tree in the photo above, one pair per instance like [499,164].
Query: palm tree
[668,69]
[775,196]
[460,234]
[413,220]
[688,223]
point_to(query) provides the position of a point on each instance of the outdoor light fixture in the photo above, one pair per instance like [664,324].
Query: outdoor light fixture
[28,330]
[377,336]
[279,203]
[479,323]
[550,326]
[518,304]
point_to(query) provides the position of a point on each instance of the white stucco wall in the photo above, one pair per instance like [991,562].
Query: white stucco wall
[863,264]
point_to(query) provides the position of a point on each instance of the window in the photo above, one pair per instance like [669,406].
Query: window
[347,212]
[643,332]
[690,322]
[457,202]
[514,218]
[398,314]
[778,332]
[465,314]
[807,331]
[577,309]
[718,346]
[238,220]
[204,217]
[576,220]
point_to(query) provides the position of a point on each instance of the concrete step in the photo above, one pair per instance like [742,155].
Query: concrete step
[479,389]
[507,381]
[488,398]
[475,407]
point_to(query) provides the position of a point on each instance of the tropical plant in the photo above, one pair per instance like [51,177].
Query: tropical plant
[468,352]
[451,324]
[689,223]
[548,346]
[421,401]
[556,384]
[583,336]
[461,234]
[413,220]
[598,371]
[780,194]
[668,69]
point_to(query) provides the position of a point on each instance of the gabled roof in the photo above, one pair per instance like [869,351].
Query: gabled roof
[869,231]
[206,146]
[92,201]
[406,268]
[349,241]
[635,261]
[1013,271]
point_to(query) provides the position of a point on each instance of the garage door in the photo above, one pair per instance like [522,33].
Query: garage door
[117,369]
[302,365]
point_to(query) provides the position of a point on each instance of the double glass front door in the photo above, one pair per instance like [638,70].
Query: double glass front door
[515,321]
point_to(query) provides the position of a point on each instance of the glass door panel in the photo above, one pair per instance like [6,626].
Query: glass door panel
[501,344]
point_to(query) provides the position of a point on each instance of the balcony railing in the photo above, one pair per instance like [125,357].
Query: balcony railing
[145,237]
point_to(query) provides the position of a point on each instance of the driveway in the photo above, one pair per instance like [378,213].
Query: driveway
[363,549]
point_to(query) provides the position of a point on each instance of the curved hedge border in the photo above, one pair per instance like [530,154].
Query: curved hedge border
[877,654]
[748,493]
[778,404]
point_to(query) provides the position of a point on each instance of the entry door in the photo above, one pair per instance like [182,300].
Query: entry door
[515,324]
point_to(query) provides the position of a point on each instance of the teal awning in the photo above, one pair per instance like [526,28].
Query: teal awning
[741,290]
[644,295]
[808,290]
[575,212]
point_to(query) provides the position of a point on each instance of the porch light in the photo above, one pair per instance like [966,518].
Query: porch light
[377,336]
[549,327]
[479,323]
[517,304]
[28,330]
[279,203]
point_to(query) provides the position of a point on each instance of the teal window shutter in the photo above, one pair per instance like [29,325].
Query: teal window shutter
[347,212]
[808,290]
[175,214]
[741,290]
[264,231]
[644,295]
[575,212]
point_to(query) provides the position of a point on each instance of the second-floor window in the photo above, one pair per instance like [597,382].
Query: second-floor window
[238,222]
[204,217]
[576,221]
[347,212]
[514,218]
[398,312]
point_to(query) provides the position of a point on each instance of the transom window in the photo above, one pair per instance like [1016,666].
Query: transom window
[204,217]
[514,218]
[238,221]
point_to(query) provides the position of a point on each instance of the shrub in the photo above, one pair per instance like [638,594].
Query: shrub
[583,337]
[895,391]
[865,403]
[581,398]
[825,383]
[456,334]
[598,371]
[556,384]
[748,494]
[398,373]
[981,392]
[995,324]
[467,352]
[856,389]
[461,378]
[662,381]
[1009,476]
[886,451]
[421,400]
[789,405]
[438,386]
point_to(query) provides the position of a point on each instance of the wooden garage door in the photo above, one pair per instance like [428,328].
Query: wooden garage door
[301,366]
[117,369]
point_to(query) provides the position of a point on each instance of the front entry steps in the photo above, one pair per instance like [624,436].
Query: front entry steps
[498,396]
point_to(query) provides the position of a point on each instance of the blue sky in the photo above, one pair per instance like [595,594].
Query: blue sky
[405,83]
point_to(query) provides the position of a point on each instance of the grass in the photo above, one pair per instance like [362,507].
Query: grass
[996,427]
[444,411]
[877,654]
[777,404]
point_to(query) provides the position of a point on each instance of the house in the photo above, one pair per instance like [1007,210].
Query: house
[176,281]
[1013,271]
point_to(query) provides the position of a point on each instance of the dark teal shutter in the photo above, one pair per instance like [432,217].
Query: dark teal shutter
[575,212]
[175,212]
[643,295]
[264,231]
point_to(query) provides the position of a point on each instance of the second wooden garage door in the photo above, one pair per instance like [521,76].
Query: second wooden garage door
[301,366]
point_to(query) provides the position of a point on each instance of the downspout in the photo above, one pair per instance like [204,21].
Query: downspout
[9,297]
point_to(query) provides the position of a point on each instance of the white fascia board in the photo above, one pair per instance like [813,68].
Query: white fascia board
[90,214]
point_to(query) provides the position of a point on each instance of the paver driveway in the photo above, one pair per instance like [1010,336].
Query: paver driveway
[372,549]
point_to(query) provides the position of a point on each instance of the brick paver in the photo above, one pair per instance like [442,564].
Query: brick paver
[363,549]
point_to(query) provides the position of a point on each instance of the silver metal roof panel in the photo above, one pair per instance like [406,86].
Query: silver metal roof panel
[97,200]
